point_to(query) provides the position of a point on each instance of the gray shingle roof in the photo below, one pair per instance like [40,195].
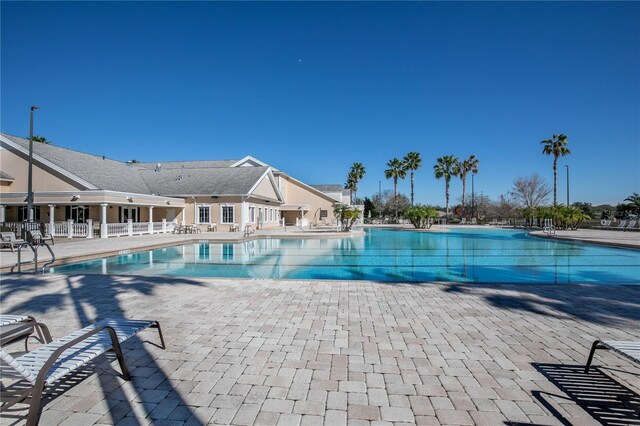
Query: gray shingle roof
[102,172]
[195,178]
[5,176]
[169,165]
[328,188]
[201,181]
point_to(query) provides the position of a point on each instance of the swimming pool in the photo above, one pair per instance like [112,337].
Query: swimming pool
[464,255]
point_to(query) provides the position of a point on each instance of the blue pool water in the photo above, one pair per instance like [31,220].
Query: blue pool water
[465,255]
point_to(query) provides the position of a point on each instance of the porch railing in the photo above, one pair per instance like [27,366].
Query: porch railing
[69,229]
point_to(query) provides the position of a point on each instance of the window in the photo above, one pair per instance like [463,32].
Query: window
[260,217]
[79,214]
[204,214]
[252,214]
[270,215]
[227,251]
[227,214]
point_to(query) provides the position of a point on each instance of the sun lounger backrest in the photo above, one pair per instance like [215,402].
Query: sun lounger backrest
[8,236]
[6,319]
[16,366]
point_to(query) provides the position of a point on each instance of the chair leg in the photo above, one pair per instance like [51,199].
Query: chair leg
[118,351]
[157,325]
[591,353]
[35,407]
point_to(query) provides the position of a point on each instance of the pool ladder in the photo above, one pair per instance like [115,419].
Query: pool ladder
[34,248]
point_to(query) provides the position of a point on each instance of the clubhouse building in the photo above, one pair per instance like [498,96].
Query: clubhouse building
[78,194]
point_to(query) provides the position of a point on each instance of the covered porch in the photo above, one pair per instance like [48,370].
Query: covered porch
[90,214]
[294,214]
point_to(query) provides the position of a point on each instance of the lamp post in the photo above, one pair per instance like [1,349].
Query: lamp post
[567,184]
[30,177]
[472,197]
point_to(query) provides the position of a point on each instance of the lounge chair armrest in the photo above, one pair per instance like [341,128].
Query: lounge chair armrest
[56,354]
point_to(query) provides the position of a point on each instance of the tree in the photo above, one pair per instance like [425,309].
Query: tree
[347,215]
[412,162]
[444,168]
[134,161]
[530,191]
[557,146]
[370,208]
[461,169]
[634,202]
[421,216]
[396,171]
[356,173]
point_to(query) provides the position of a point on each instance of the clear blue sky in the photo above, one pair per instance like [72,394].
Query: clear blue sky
[312,87]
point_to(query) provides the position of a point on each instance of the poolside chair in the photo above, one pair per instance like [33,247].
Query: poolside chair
[37,237]
[17,327]
[9,239]
[463,221]
[49,363]
[474,221]
[631,225]
[605,224]
[630,350]
[621,225]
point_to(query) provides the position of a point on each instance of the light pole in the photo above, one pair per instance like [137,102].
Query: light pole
[472,197]
[30,177]
[567,184]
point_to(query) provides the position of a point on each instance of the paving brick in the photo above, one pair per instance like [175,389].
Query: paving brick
[278,405]
[363,412]
[397,414]
[462,355]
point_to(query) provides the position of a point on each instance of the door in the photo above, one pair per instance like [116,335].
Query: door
[129,213]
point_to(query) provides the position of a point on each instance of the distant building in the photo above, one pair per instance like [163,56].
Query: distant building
[73,185]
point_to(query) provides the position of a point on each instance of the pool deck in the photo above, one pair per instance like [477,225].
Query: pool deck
[285,352]
[595,236]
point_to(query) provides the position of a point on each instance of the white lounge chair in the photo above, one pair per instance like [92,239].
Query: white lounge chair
[630,350]
[49,363]
[463,221]
[17,327]
[9,239]
[621,225]
[631,225]
[605,224]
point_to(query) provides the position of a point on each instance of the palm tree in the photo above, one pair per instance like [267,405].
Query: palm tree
[558,148]
[461,170]
[396,170]
[412,162]
[357,172]
[41,139]
[444,168]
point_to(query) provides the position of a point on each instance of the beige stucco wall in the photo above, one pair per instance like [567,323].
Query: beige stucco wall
[294,193]
[215,205]
[265,189]
[43,180]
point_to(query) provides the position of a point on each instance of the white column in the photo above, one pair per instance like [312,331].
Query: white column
[70,228]
[103,221]
[183,214]
[2,213]
[244,215]
[164,226]
[130,227]
[150,219]
[52,220]
[89,228]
